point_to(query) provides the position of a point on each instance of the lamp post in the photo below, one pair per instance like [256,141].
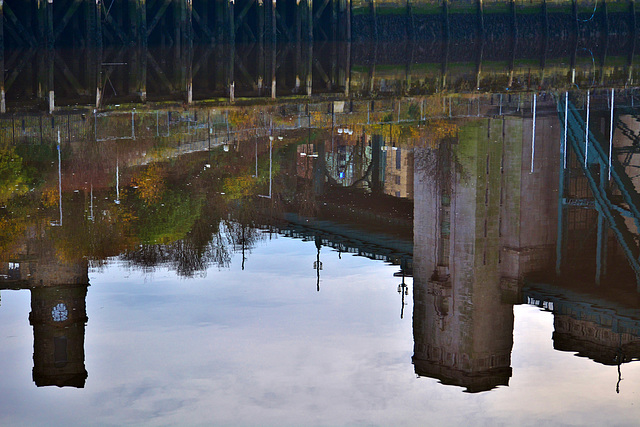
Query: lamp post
[403,290]
[270,167]
[317,264]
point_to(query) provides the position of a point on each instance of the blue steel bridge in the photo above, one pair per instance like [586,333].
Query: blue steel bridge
[598,189]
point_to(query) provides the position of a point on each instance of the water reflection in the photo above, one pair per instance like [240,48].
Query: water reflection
[467,195]
[82,77]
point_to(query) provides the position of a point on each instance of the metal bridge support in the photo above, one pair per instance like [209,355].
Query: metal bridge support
[445,19]
[142,16]
[50,40]
[92,22]
[480,19]
[95,19]
[310,20]
[2,28]
[601,245]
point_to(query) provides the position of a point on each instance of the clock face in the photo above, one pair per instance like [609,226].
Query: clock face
[59,313]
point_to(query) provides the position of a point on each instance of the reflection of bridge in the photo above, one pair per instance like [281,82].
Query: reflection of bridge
[592,163]
[45,80]
[599,329]
[349,239]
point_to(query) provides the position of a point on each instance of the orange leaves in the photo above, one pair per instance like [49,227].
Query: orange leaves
[150,183]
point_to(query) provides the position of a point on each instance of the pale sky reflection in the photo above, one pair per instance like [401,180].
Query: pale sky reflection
[262,347]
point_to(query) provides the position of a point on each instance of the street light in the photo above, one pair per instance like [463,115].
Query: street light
[403,290]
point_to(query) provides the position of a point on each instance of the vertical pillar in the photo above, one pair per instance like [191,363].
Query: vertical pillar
[232,21]
[572,60]
[133,7]
[514,41]
[273,22]
[603,63]
[586,131]
[2,36]
[298,65]
[632,9]
[310,69]
[409,61]
[334,20]
[189,73]
[186,66]
[410,23]
[143,22]
[374,18]
[40,77]
[601,245]
[611,127]
[3,105]
[97,67]
[445,18]
[178,13]
[545,19]
[445,64]
[605,18]
[51,97]
[260,18]
[310,20]
[260,46]
[52,105]
[514,19]
[348,38]
[560,239]
[376,162]
[298,12]
[273,67]
[143,72]
[533,134]
[49,36]
[133,81]
[347,71]
[480,18]
[334,66]
[92,65]
[204,17]
[231,75]
[98,24]
[632,37]
[220,14]
[189,21]
[41,17]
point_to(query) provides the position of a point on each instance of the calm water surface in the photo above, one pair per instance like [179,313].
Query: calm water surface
[390,258]
[263,347]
